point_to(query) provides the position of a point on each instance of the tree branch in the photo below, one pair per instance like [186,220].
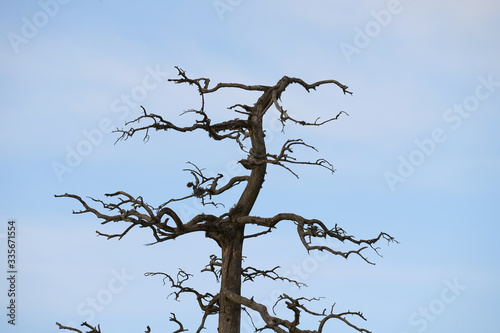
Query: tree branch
[248,273]
[280,325]
[207,302]
[207,186]
[62,327]
[307,229]
[137,213]
[181,327]
[281,86]
[235,127]
[92,329]
[284,157]
[203,88]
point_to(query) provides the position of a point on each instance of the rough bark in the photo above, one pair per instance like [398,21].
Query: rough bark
[230,312]
[232,244]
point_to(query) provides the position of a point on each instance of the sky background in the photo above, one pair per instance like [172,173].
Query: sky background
[417,157]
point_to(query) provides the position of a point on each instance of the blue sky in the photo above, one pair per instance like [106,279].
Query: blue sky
[417,157]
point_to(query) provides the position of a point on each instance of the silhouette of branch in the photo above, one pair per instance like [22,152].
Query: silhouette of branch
[174,319]
[281,86]
[97,329]
[136,212]
[207,186]
[214,266]
[203,88]
[236,129]
[92,329]
[62,327]
[249,273]
[284,157]
[308,230]
[296,305]
[207,302]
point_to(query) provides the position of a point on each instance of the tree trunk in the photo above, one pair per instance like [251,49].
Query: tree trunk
[230,312]
[233,235]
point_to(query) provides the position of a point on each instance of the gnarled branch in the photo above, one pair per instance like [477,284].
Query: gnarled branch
[249,273]
[235,128]
[284,157]
[280,325]
[174,319]
[207,186]
[136,212]
[309,229]
[207,302]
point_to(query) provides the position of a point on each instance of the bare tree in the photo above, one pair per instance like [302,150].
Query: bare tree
[228,229]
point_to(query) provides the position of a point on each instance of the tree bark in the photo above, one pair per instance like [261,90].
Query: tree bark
[233,235]
[230,312]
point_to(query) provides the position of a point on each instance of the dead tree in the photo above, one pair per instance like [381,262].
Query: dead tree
[228,229]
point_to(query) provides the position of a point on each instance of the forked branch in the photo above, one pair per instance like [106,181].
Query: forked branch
[92,328]
[164,222]
[284,158]
[310,229]
[236,129]
[249,273]
[297,307]
[232,129]
[204,186]
[207,302]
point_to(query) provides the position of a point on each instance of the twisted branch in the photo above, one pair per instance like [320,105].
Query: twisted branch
[207,302]
[207,186]
[309,229]
[285,82]
[280,325]
[249,273]
[284,157]
[137,213]
[174,319]
[235,128]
